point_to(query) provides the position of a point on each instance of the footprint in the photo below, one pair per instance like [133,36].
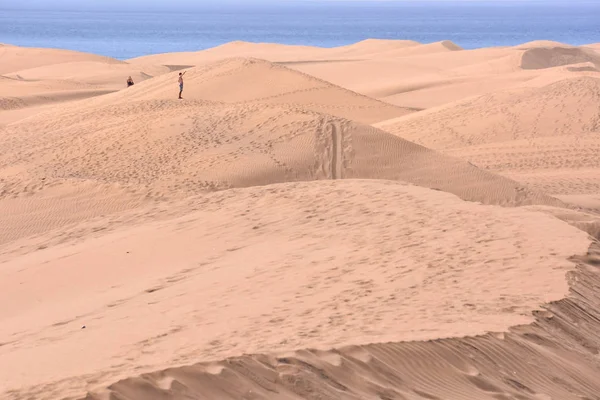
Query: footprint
[154,289]
[426,395]
[518,385]
[484,385]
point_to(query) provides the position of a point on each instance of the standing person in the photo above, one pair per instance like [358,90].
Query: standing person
[181,83]
[129,81]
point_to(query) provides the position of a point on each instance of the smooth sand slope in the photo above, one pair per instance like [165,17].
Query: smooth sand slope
[281,53]
[546,137]
[243,80]
[20,99]
[429,79]
[496,366]
[556,56]
[322,264]
[165,150]
[107,75]
[15,58]
[406,73]
[35,80]
[285,204]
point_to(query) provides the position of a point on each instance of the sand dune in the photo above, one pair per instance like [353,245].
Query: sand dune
[108,75]
[403,73]
[542,43]
[34,80]
[383,49]
[171,149]
[286,204]
[16,58]
[17,88]
[20,99]
[241,80]
[406,73]
[568,107]
[545,137]
[292,266]
[277,52]
[491,367]
[430,80]
[548,57]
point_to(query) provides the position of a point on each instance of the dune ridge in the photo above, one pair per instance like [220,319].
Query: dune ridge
[34,80]
[242,80]
[169,149]
[93,73]
[461,368]
[372,67]
[332,280]
[15,58]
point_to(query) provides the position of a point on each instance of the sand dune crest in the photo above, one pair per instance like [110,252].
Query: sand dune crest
[291,265]
[243,80]
[542,43]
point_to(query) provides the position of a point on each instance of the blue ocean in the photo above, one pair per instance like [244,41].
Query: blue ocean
[129,33]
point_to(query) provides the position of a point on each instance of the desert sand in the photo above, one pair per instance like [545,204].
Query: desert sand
[387,219]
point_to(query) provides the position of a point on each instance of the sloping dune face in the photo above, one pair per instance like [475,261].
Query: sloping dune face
[242,80]
[278,52]
[549,57]
[172,149]
[16,58]
[547,138]
[115,152]
[323,264]
[33,80]
[93,73]
[491,367]
[569,107]
[406,73]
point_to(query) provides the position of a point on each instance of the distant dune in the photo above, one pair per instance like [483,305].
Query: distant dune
[33,80]
[386,220]
[18,58]
[544,57]
[404,73]
[567,107]
[95,73]
[541,44]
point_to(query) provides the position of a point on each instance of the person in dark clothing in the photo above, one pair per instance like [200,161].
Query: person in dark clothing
[181,83]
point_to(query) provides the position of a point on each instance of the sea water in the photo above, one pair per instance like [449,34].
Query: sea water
[130,32]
